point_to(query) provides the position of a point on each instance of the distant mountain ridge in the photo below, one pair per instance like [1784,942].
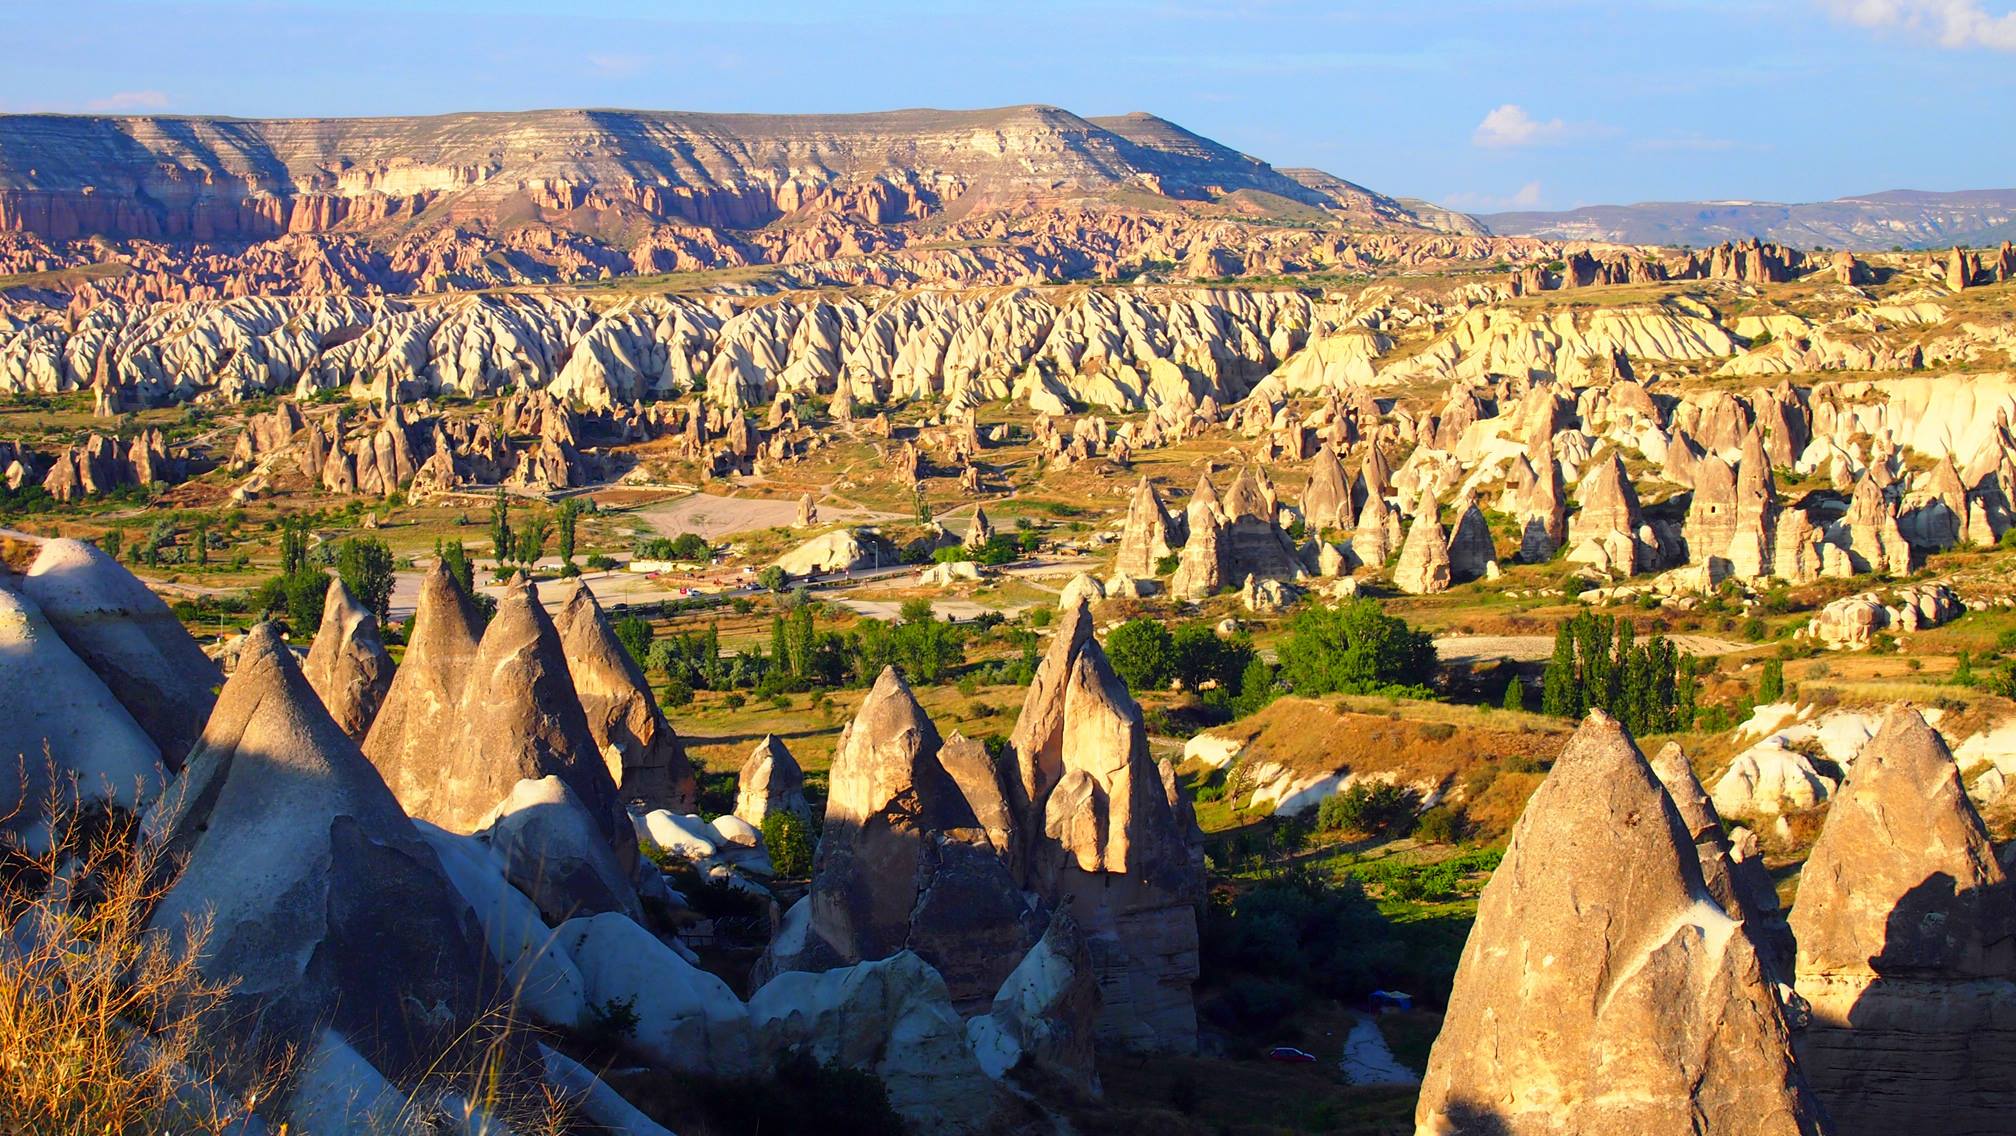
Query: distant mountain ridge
[1906,217]
[196,178]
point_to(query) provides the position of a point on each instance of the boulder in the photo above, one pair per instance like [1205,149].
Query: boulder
[544,982]
[1906,931]
[1602,989]
[1045,1013]
[129,639]
[327,908]
[770,781]
[891,1017]
[641,750]
[348,666]
[63,732]
[553,850]
[688,1020]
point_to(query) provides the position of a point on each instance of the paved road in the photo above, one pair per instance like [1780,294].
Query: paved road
[1537,648]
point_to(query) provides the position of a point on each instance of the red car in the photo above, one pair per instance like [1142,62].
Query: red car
[1289,1055]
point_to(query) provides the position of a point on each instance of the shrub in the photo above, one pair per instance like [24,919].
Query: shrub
[107,1026]
[598,562]
[788,839]
[1373,808]
[1440,825]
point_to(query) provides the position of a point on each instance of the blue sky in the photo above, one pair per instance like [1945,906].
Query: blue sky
[1487,105]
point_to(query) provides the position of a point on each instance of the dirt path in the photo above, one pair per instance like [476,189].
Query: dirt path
[1536,648]
[713,516]
[1367,1060]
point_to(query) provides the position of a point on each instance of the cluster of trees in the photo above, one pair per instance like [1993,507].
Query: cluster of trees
[364,564]
[525,542]
[686,547]
[1356,648]
[801,656]
[1598,663]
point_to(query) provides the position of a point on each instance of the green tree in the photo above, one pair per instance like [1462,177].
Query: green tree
[1771,686]
[366,567]
[1515,694]
[200,534]
[788,840]
[1143,654]
[635,635]
[1560,684]
[564,519]
[773,579]
[1205,658]
[1355,648]
[780,648]
[456,558]
[293,546]
[801,638]
[502,542]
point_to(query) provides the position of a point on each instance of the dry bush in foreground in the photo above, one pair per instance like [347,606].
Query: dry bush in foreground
[105,1028]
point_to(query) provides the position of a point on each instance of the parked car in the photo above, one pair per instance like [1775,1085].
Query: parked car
[1289,1055]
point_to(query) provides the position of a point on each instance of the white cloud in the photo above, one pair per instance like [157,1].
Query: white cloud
[129,101]
[1951,23]
[1525,197]
[1509,126]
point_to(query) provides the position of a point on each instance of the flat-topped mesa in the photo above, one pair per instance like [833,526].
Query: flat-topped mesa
[1906,931]
[129,639]
[1326,503]
[419,709]
[1602,988]
[903,864]
[328,910]
[347,666]
[770,781]
[640,748]
[1144,541]
[63,732]
[1109,838]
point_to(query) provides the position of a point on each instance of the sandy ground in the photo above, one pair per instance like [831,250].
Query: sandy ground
[1537,648]
[713,516]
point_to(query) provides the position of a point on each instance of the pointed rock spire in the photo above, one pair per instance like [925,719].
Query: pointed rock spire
[770,781]
[327,908]
[129,639]
[519,719]
[418,712]
[1602,989]
[640,748]
[347,666]
[1906,931]
[63,732]
[1326,504]
[904,864]
[1038,738]
[1145,539]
